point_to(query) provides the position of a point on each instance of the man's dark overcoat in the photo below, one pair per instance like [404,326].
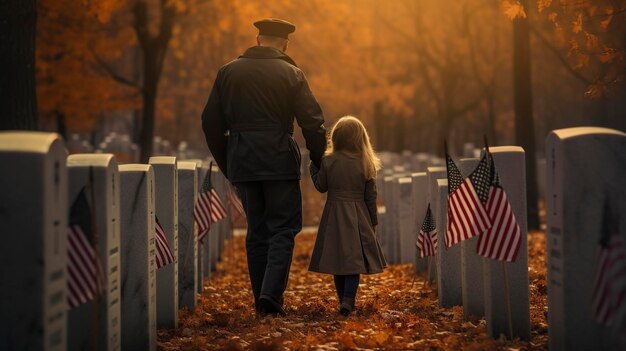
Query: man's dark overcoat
[248,119]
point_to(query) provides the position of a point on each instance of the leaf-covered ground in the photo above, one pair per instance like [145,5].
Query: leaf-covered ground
[395,310]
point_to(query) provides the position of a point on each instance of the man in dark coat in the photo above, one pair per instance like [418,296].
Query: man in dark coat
[248,125]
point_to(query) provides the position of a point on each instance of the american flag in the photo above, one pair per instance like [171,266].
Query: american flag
[503,240]
[209,207]
[427,237]
[467,216]
[164,254]
[84,272]
[234,200]
[609,285]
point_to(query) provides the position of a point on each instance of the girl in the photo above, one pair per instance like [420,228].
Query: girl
[346,245]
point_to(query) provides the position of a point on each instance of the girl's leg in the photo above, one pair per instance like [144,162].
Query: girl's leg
[351,285]
[339,285]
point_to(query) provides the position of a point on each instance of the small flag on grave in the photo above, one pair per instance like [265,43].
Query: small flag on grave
[84,271]
[209,207]
[427,237]
[609,285]
[234,200]
[467,216]
[503,240]
[164,254]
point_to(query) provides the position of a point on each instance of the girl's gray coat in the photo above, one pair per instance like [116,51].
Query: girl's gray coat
[346,243]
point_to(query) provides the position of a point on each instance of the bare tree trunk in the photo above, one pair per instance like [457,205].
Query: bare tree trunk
[18,100]
[524,124]
[147,126]
[154,48]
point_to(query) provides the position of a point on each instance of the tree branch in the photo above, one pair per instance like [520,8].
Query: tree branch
[559,57]
[140,24]
[114,75]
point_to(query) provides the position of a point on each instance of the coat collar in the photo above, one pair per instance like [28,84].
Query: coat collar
[266,52]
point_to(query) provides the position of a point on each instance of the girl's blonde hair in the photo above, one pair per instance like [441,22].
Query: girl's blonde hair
[349,135]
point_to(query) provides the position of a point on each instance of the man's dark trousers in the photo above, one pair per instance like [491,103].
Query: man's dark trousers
[274,212]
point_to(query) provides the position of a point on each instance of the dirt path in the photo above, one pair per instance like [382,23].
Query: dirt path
[394,311]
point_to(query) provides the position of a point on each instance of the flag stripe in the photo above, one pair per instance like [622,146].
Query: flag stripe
[495,206]
[427,236]
[83,281]
[81,258]
[164,254]
[234,200]
[218,211]
[208,210]
[499,207]
[609,286]
[465,212]
[503,240]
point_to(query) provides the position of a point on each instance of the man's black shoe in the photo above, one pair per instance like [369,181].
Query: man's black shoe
[268,305]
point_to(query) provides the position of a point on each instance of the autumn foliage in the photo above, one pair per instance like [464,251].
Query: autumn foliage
[414,71]
[395,310]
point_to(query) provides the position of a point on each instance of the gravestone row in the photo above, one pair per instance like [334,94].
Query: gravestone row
[462,276]
[582,178]
[584,173]
[122,297]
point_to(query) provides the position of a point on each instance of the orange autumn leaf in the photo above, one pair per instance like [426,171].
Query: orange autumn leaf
[608,55]
[582,61]
[381,338]
[591,41]
[577,24]
[604,24]
[543,4]
[346,340]
[552,16]
[513,9]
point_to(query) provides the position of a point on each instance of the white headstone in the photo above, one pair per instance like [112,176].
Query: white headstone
[224,225]
[468,150]
[418,212]
[166,191]
[420,162]
[187,234]
[407,233]
[381,214]
[509,162]
[138,257]
[202,170]
[585,179]
[33,218]
[432,174]
[380,229]
[212,241]
[98,322]
[471,262]
[448,260]
[388,244]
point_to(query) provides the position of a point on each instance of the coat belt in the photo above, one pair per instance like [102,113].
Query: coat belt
[345,195]
[260,126]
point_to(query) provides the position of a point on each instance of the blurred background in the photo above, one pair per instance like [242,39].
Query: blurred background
[415,71]
[132,76]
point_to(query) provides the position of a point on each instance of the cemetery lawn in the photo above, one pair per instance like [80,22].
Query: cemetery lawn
[394,311]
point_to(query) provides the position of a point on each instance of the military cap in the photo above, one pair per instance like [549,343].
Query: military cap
[275,27]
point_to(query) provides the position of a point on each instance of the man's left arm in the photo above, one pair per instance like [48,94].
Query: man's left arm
[311,119]
[214,127]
